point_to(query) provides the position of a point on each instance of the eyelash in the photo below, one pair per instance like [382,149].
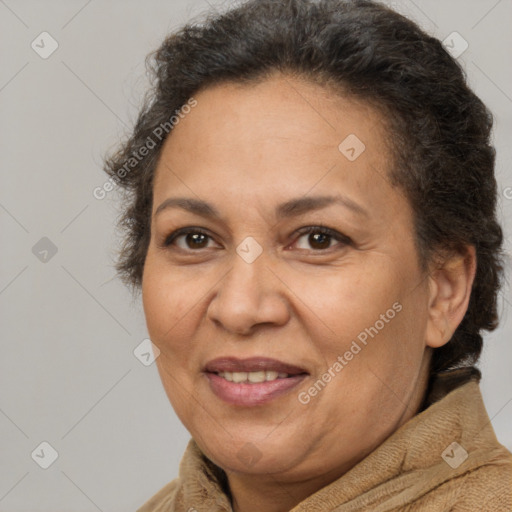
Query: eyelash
[324,230]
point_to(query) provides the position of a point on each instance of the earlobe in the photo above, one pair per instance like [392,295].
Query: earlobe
[450,285]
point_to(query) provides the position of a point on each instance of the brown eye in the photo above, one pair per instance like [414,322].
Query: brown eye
[196,240]
[192,239]
[320,238]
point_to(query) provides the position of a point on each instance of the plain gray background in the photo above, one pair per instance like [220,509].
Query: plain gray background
[68,374]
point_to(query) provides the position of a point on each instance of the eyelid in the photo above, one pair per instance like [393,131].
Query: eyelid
[325,230]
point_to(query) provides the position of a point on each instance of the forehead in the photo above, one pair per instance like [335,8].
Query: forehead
[282,135]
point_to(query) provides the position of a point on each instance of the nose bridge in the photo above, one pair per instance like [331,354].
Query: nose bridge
[248,278]
[249,294]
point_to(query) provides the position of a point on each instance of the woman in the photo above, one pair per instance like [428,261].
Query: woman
[317,248]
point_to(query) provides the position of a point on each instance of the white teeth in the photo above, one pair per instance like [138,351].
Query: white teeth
[254,377]
[239,376]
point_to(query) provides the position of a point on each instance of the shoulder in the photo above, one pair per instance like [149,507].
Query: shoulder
[488,487]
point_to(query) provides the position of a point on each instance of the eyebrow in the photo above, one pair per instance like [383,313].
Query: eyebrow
[291,208]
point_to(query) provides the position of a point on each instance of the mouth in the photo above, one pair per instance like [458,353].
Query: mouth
[253,381]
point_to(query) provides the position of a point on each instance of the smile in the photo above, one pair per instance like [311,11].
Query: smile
[253,381]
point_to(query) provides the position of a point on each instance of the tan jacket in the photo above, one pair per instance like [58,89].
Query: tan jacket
[444,459]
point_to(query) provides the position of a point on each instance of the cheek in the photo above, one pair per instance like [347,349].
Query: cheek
[178,388]
[379,307]
[156,303]
[166,300]
[173,310]
[168,325]
[352,297]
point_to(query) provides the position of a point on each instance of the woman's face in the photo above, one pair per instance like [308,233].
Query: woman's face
[338,316]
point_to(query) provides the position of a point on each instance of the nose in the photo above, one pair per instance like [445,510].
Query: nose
[249,295]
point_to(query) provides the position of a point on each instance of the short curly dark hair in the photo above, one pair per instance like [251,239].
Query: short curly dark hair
[440,130]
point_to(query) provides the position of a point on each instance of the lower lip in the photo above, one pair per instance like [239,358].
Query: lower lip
[250,394]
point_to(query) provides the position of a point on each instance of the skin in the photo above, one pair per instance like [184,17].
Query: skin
[246,149]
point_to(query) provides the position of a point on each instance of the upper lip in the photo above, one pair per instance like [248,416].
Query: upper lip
[251,364]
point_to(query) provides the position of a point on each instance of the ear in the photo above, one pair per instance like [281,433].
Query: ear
[450,284]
